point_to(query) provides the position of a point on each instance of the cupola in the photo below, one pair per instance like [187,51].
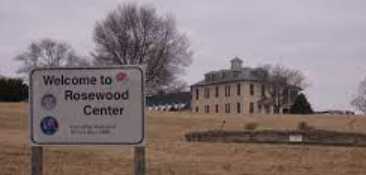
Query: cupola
[236,63]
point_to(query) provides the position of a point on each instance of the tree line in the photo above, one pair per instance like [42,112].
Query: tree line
[13,90]
[128,35]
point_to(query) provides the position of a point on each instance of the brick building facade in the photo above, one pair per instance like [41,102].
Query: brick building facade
[234,90]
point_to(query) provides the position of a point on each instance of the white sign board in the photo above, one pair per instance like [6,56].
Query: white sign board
[295,138]
[78,106]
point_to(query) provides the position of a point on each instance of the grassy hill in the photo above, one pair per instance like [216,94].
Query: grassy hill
[169,153]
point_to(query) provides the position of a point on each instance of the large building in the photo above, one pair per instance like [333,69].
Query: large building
[234,90]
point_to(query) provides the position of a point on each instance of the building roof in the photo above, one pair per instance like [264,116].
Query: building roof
[236,73]
[236,59]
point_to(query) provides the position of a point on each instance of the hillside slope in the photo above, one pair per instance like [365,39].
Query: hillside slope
[169,153]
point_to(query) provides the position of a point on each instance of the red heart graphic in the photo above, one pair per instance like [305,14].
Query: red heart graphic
[121,76]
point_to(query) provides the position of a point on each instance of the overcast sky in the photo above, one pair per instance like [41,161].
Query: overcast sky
[326,39]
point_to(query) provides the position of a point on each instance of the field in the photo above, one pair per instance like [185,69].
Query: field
[169,153]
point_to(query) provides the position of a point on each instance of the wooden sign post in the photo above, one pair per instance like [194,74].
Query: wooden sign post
[37,160]
[140,160]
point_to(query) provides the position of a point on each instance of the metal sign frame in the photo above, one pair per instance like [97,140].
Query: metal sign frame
[141,142]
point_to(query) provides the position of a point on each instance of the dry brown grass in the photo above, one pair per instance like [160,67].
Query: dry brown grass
[169,153]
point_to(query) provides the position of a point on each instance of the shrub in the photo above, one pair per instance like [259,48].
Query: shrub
[301,105]
[303,126]
[13,90]
[251,126]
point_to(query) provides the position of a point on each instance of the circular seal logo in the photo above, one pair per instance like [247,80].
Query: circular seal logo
[48,101]
[49,125]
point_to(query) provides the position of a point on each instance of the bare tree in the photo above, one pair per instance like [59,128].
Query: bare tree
[360,101]
[282,84]
[48,53]
[136,35]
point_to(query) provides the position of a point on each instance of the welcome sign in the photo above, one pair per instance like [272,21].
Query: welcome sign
[97,105]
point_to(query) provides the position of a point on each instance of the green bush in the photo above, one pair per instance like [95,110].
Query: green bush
[13,90]
[301,105]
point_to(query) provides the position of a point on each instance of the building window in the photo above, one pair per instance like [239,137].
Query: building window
[236,74]
[251,107]
[207,92]
[267,108]
[238,106]
[238,89]
[207,108]
[286,96]
[212,77]
[227,107]
[197,109]
[259,108]
[251,89]
[207,77]
[197,94]
[243,106]
[217,108]
[227,91]
[263,90]
[217,91]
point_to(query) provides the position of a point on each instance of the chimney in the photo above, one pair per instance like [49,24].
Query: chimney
[236,63]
